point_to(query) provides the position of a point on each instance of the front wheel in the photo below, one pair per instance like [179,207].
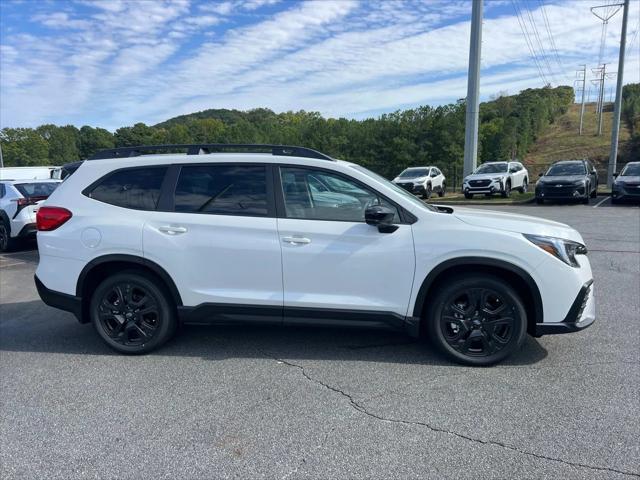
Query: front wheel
[132,312]
[539,201]
[427,192]
[477,320]
[443,190]
[506,193]
[525,186]
[594,194]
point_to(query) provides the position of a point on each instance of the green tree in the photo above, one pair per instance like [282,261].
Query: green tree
[23,147]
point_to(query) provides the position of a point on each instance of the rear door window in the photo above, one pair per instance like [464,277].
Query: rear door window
[40,189]
[135,188]
[223,190]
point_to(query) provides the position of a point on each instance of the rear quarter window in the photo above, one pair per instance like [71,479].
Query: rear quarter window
[135,188]
[40,189]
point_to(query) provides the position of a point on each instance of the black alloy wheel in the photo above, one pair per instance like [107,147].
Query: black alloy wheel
[427,191]
[6,242]
[507,189]
[594,193]
[132,313]
[525,186]
[443,190]
[477,320]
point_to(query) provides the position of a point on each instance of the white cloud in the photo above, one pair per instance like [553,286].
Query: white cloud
[146,61]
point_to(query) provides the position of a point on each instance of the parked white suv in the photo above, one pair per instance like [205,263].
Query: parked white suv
[422,181]
[496,177]
[136,244]
[19,202]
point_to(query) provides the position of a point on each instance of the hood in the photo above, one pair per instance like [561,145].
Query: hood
[485,176]
[562,179]
[512,222]
[629,179]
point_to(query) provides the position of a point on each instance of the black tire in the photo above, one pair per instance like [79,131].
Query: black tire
[506,193]
[481,336]
[7,243]
[427,192]
[524,187]
[539,201]
[468,195]
[585,200]
[443,190]
[594,194]
[615,201]
[129,331]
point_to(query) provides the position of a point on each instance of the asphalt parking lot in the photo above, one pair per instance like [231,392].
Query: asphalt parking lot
[223,402]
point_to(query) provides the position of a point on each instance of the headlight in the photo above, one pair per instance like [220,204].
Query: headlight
[496,179]
[564,250]
[420,179]
[579,183]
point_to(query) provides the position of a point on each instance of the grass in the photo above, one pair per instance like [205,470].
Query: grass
[561,141]
[514,199]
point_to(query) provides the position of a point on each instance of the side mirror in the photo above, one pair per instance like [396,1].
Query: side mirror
[615,174]
[381,217]
[541,174]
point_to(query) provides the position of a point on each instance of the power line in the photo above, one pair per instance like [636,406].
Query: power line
[543,53]
[529,43]
[550,34]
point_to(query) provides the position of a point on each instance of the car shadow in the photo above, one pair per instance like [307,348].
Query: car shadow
[34,327]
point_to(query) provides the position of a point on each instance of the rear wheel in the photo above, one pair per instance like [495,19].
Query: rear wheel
[132,312]
[477,320]
[6,242]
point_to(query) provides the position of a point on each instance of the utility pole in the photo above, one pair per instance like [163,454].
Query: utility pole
[601,98]
[473,87]
[584,79]
[615,129]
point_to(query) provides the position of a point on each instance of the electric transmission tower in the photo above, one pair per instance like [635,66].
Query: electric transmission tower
[582,78]
[604,13]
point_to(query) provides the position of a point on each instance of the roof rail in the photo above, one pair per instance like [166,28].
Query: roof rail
[203,148]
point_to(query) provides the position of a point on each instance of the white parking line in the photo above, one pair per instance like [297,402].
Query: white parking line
[601,202]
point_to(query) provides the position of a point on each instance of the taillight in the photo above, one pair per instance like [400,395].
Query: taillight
[50,218]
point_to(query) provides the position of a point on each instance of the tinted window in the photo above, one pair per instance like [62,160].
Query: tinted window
[2,190]
[40,189]
[137,188]
[222,190]
[319,195]
[631,170]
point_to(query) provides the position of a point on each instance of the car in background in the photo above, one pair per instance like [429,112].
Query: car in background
[496,177]
[626,185]
[568,180]
[19,203]
[422,181]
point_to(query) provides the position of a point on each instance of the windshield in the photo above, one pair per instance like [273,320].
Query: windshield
[562,169]
[631,170]
[40,189]
[414,173]
[394,187]
[492,168]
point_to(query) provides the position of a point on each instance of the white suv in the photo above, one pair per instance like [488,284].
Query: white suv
[137,244]
[422,181]
[19,202]
[496,177]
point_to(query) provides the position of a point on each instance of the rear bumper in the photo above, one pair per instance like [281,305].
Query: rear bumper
[581,315]
[63,301]
[28,231]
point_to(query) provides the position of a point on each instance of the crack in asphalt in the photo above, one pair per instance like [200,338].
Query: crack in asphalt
[357,406]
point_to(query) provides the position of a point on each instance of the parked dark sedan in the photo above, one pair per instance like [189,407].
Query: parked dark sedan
[626,186]
[568,180]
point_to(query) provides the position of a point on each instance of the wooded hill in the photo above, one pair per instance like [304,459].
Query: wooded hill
[509,126]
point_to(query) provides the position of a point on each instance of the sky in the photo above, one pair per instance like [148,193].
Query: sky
[113,63]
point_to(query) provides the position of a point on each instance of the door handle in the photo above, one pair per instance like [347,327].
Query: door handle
[296,240]
[172,230]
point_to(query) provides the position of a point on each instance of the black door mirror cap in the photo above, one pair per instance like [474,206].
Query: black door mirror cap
[381,217]
[541,174]
[615,174]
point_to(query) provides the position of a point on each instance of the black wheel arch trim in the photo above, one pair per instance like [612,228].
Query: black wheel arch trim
[144,262]
[427,283]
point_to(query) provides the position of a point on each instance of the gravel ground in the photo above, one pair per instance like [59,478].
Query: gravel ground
[231,402]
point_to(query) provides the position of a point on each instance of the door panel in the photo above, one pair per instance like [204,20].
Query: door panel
[346,265]
[217,258]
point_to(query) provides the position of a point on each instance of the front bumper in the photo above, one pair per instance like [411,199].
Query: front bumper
[416,188]
[561,192]
[626,191]
[581,315]
[63,301]
[480,186]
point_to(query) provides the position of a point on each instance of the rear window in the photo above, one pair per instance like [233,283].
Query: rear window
[136,188]
[40,189]
[222,190]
